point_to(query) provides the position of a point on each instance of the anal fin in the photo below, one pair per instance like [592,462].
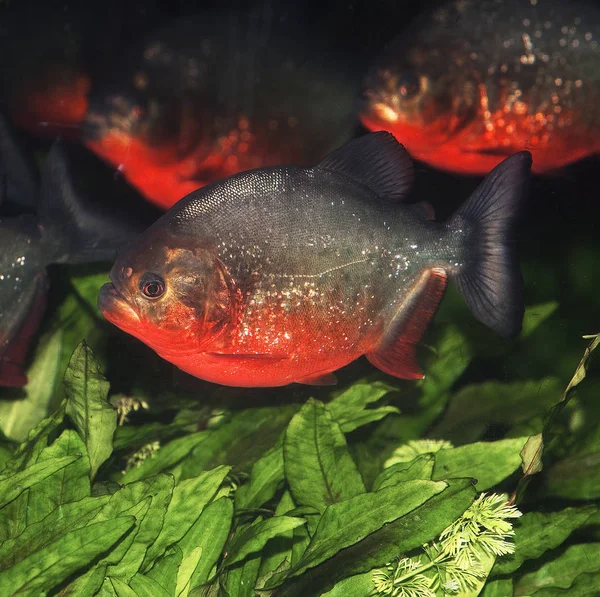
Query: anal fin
[319,379]
[397,355]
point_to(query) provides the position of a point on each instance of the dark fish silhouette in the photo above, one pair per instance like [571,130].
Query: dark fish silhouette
[475,81]
[213,95]
[285,274]
[63,231]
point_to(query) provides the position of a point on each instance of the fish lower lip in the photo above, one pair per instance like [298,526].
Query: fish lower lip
[115,308]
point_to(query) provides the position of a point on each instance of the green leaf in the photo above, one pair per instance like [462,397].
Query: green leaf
[55,562]
[498,588]
[166,457]
[555,411]
[575,477]
[165,569]
[253,539]
[419,468]
[189,499]
[585,585]
[122,589]
[186,570]
[488,462]
[535,315]
[538,532]
[266,478]
[210,532]
[18,416]
[475,407]
[11,486]
[87,406]
[147,500]
[61,520]
[147,587]
[277,554]
[349,407]
[350,521]
[318,466]
[562,571]
[86,585]
[241,580]
[408,532]
[70,484]
[360,585]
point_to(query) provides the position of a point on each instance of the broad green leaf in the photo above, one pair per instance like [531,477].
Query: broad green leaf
[87,406]
[70,484]
[535,315]
[556,410]
[346,523]
[241,579]
[277,554]
[164,571]
[488,462]
[419,468]
[86,585]
[562,571]
[538,532]
[168,456]
[253,538]
[360,585]
[55,562]
[147,587]
[585,585]
[576,477]
[122,589]
[189,499]
[240,441]
[13,485]
[498,588]
[531,455]
[266,477]
[61,520]
[408,532]
[147,500]
[210,532]
[349,407]
[186,570]
[318,466]
[473,408]
[18,416]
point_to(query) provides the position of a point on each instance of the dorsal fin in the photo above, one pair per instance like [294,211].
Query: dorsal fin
[396,355]
[377,161]
[79,233]
[19,176]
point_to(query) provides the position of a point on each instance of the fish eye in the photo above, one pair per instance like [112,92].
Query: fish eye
[152,286]
[409,85]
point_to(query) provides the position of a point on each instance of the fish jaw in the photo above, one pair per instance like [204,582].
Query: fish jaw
[115,308]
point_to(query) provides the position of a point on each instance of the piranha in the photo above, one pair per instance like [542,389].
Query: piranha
[477,80]
[210,96]
[285,274]
[64,230]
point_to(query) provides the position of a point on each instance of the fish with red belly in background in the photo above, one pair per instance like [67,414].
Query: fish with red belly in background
[477,80]
[285,274]
[217,94]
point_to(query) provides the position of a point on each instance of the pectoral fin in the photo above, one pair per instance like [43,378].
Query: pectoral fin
[396,355]
[320,379]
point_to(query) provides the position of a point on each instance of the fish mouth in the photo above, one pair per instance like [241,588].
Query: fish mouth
[115,308]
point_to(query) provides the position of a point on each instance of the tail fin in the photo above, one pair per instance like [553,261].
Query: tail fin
[490,280]
[75,231]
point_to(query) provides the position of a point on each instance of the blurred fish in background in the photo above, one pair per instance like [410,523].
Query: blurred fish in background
[65,230]
[472,82]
